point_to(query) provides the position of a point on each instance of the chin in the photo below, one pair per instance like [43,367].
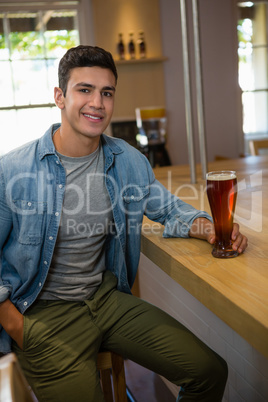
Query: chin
[92,133]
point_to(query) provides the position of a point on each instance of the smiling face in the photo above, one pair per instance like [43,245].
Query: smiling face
[86,109]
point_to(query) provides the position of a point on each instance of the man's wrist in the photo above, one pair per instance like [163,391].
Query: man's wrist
[201,228]
[9,316]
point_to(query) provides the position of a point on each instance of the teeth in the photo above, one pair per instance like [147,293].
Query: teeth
[92,117]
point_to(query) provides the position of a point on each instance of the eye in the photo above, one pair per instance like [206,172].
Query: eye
[108,94]
[84,90]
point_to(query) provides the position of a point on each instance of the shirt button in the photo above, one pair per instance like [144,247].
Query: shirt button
[50,237]
[29,204]
[57,162]
[60,185]
[45,262]
[40,284]
[56,214]
[132,197]
[25,303]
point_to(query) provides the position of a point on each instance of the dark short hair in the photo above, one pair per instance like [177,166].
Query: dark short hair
[84,56]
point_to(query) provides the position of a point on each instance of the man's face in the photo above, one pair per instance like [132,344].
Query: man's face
[88,105]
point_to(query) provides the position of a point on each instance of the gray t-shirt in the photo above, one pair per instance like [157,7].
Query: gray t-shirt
[78,261]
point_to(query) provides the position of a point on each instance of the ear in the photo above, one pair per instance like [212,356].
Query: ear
[59,98]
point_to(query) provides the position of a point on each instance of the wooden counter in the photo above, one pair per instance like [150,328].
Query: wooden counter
[236,289]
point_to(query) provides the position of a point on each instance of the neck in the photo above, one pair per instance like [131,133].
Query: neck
[70,146]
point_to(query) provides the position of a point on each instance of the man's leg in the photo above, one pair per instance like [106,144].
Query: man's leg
[59,355]
[153,339]
[62,340]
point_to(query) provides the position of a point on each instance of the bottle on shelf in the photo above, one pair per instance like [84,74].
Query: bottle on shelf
[131,46]
[142,45]
[121,47]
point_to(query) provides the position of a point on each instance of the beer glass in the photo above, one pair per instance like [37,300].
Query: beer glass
[222,193]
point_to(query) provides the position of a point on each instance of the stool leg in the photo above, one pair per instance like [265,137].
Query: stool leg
[105,375]
[119,380]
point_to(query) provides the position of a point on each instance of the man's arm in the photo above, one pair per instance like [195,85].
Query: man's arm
[202,228]
[10,318]
[12,321]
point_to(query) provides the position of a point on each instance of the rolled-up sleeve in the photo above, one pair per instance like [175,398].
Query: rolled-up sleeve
[180,224]
[4,293]
[176,215]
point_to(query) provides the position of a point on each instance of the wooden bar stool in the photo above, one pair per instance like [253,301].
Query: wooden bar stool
[107,363]
[13,384]
[258,147]
[14,387]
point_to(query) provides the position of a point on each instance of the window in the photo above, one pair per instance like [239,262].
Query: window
[253,67]
[31,44]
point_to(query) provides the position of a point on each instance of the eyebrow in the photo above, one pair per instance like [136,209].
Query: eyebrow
[87,85]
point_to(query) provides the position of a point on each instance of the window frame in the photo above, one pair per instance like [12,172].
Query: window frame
[83,8]
[23,116]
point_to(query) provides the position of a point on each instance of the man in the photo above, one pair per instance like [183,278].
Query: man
[72,205]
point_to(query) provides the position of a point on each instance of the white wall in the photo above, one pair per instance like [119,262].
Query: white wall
[223,109]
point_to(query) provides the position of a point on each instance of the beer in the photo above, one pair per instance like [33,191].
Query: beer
[222,193]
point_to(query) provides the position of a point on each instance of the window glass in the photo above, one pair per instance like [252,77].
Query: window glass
[6,85]
[255,111]
[26,39]
[253,66]
[31,82]
[61,33]
[4,49]
[21,126]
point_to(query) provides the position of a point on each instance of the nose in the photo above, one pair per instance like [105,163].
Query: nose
[96,100]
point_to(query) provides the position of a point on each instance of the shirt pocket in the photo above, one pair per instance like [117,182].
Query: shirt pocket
[134,200]
[29,221]
[134,193]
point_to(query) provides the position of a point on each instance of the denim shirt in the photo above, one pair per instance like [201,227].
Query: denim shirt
[32,185]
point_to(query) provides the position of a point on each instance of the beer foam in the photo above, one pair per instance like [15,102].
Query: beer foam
[221,176]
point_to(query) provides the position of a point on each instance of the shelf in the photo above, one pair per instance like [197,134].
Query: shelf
[140,61]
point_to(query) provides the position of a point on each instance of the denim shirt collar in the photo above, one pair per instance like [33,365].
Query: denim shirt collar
[46,145]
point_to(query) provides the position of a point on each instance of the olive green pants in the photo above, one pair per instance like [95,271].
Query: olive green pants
[62,339]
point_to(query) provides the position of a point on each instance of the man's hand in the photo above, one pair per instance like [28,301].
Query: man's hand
[202,228]
[12,321]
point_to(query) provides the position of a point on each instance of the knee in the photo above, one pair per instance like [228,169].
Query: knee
[214,378]
[219,371]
